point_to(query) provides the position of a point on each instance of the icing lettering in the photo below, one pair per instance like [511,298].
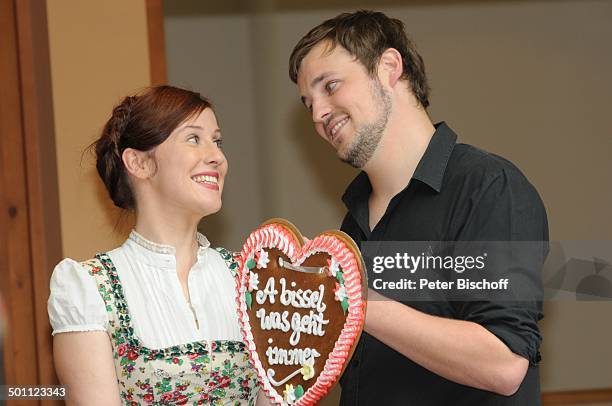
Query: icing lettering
[268,291]
[293,356]
[302,299]
[274,320]
[309,324]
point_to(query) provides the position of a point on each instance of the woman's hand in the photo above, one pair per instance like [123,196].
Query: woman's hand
[262,399]
[84,363]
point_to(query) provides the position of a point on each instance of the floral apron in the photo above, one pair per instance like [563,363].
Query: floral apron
[204,372]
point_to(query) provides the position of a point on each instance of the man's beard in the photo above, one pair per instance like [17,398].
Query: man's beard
[367,137]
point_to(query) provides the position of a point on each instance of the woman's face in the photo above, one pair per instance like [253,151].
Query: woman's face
[191,167]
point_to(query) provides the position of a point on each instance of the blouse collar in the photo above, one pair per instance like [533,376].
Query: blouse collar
[162,254]
[163,248]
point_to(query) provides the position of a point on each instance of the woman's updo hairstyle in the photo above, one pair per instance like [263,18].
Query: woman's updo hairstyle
[141,122]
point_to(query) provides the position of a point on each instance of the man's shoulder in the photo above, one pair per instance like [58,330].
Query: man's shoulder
[477,167]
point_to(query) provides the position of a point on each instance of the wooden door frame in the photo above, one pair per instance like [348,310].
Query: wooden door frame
[31,241]
[30,236]
[157,42]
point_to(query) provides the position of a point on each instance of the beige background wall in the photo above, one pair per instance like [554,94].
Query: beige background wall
[527,80]
[87,83]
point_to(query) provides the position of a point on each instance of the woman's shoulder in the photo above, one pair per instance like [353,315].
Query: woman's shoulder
[226,257]
[74,301]
[69,267]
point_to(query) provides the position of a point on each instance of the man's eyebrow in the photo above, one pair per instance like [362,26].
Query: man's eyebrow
[319,79]
[315,82]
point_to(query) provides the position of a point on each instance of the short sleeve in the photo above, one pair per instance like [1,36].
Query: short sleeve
[508,209]
[514,323]
[74,302]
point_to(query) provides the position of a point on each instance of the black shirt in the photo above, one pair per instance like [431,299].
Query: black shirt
[457,193]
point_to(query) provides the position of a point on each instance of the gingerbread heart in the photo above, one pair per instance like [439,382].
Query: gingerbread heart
[302,308]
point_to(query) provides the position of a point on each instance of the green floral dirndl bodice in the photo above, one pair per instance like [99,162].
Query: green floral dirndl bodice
[199,373]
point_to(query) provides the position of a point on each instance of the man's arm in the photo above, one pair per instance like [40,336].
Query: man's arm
[469,350]
[460,351]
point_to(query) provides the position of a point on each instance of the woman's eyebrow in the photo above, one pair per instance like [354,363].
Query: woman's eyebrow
[197,127]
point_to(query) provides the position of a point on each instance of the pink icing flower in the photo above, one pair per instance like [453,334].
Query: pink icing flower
[262,259]
[340,292]
[332,267]
[253,281]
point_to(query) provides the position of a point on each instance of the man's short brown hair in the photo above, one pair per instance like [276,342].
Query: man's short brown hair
[366,35]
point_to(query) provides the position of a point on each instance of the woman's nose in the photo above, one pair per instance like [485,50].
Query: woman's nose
[213,155]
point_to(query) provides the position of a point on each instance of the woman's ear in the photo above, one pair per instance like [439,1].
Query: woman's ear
[137,163]
[391,67]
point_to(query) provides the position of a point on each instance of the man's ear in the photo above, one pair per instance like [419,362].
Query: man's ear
[390,67]
[137,163]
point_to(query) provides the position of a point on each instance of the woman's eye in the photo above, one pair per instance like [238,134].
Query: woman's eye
[194,139]
[219,143]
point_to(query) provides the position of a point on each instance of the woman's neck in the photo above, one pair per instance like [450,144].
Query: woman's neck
[175,231]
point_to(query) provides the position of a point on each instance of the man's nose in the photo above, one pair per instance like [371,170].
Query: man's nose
[321,110]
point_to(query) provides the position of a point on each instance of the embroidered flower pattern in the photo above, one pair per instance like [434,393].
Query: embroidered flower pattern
[199,373]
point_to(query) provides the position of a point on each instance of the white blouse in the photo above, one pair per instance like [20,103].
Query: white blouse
[161,316]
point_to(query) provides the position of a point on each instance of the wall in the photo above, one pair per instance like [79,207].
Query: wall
[527,80]
[98,55]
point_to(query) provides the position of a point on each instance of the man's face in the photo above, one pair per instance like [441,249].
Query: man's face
[349,108]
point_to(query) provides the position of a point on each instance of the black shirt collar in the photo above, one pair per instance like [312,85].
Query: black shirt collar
[432,165]
[430,169]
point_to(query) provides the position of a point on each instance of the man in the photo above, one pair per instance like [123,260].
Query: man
[365,85]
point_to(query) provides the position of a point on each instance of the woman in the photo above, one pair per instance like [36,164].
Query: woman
[154,320]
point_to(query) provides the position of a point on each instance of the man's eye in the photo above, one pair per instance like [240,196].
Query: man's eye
[330,86]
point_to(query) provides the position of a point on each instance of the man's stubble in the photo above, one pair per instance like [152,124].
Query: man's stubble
[368,136]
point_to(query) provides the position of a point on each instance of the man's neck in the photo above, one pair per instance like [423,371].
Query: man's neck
[399,152]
